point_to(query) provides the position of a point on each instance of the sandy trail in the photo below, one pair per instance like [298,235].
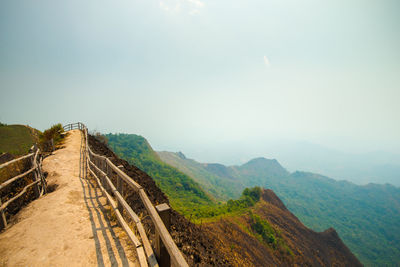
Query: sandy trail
[68,227]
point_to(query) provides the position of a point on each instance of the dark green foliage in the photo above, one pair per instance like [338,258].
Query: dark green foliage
[264,229]
[364,216]
[185,194]
[267,234]
[54,132]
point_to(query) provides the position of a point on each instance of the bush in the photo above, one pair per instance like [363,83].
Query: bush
[54,133]
[263,228]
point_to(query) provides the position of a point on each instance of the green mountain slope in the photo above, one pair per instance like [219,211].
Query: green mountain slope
[367,218]
[184,193]
[16,139]
[220,187]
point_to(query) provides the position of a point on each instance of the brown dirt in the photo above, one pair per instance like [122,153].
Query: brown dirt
[68,227]
[309,248]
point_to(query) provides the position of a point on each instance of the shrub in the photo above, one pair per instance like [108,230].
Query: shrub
[55,133]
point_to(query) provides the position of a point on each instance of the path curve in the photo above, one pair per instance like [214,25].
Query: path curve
[67,227]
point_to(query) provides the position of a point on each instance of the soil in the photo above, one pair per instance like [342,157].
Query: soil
[67,227]
[309,248]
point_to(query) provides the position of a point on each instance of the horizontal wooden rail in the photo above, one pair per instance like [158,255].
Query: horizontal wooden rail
[38,178]
[9,181]
[149,251]
[99,166]
[125,226]
[5,204]
[15,160]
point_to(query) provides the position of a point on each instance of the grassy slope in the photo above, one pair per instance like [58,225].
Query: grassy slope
[184,193]
[220,188]
[363,215]
[15,139]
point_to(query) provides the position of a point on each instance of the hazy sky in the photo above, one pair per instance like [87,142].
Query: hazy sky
[188,74]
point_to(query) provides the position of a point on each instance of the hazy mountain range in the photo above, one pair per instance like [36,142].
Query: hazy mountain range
[361,168]
[363,215]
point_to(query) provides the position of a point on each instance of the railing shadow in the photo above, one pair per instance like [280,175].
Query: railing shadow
[96,209]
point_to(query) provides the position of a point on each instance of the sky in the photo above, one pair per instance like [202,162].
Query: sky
[204,76]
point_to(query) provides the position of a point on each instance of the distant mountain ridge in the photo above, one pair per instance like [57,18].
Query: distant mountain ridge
[363,215]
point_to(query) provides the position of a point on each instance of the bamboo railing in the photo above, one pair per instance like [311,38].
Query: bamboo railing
[39,182]
[101,168]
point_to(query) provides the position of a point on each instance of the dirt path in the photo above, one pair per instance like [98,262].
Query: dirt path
[67,227]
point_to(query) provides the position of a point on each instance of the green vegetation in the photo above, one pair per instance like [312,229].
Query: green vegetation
[267,234]
[249,198]
[18,139]
[186,196]
[221,188]
[364,216]
[54,132]
[184,193]
[15,139]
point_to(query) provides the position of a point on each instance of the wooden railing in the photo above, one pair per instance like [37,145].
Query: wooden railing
[39,182]
[101,168]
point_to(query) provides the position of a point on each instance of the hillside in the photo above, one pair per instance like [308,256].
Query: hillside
[273,236]
[263,234]
[184,193]
[16,139]
[219,186]
[363,215]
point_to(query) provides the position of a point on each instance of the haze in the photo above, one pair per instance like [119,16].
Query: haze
[219,80]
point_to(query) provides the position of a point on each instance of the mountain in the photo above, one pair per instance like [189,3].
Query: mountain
[255,230]
[218,184]
[183,191]
[358,167]
[363,215]
[282,239]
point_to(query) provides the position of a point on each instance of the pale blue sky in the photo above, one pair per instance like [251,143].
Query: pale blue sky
[189,74]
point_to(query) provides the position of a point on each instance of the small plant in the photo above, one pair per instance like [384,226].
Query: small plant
[267,234]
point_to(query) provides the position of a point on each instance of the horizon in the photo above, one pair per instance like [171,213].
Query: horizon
[202,76]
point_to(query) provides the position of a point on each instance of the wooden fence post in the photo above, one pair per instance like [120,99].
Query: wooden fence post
[120,189]
[162,254]
[36,188]
[104,167]
[3,220]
